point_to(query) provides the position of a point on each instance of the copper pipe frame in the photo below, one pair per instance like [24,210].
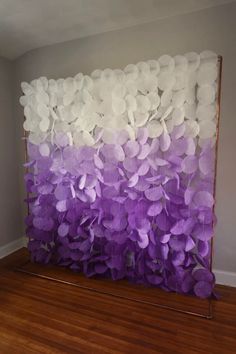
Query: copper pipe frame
[209,315]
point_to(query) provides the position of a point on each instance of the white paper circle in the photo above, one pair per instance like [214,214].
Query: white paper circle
[207,74]
[207,129]
[108,75]
[65,113]
[179,131]
[178,98]
[131,87]
[60,87]
[33,83]
[181,62]
[88,83]
[52,100]
[28,113]
[155,129]
[131,72]
[166,81]
[27,125]
[160,111]
[154,99]
[119,91]
[166,63]
[44,149]
[86,96]
[68,98]
[27,88]
[170,125]
[143,103]
[154,67]
[167,112]
[191,79]
[131,117]
[79,81]
[89,123]
[52,86]
[120,75]
[76,109]
[206,112]
[190,95]
[180,80]
[206,94]
[105,91]
[43,110]
[32,102]
[106,108]
[61,127]
[131,131]
[143,68]
[108,136]
[87,138]
[118,105]
[166,98]
[44,124]
[69,85]
[131,103]
[207,56]
[190,111]
[36,138]
[96,74]
[42,97]
[78,138]
[178,116]
[140,118]
[191,129]
[191,147]
[39,85]
[44,82]
[24,100]
[118,123]
[210,142]
[193,60]
[147,84]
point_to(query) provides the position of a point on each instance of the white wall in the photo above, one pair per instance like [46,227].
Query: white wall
[10,215]
[213,28]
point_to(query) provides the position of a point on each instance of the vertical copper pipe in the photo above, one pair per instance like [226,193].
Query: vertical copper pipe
[220,60]
[26,169]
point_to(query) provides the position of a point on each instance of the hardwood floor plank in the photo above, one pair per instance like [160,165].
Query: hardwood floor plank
[41,316]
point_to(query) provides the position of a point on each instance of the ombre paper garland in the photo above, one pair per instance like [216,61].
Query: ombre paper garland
[121,171]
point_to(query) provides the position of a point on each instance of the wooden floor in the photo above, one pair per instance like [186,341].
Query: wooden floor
[41,316]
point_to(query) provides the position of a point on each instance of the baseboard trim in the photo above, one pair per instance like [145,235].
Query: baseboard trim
[225,278]
[12,247]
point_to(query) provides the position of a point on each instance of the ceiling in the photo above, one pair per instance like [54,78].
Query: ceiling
[29,24]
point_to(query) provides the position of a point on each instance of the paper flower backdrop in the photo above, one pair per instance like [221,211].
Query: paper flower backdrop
[121,171]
